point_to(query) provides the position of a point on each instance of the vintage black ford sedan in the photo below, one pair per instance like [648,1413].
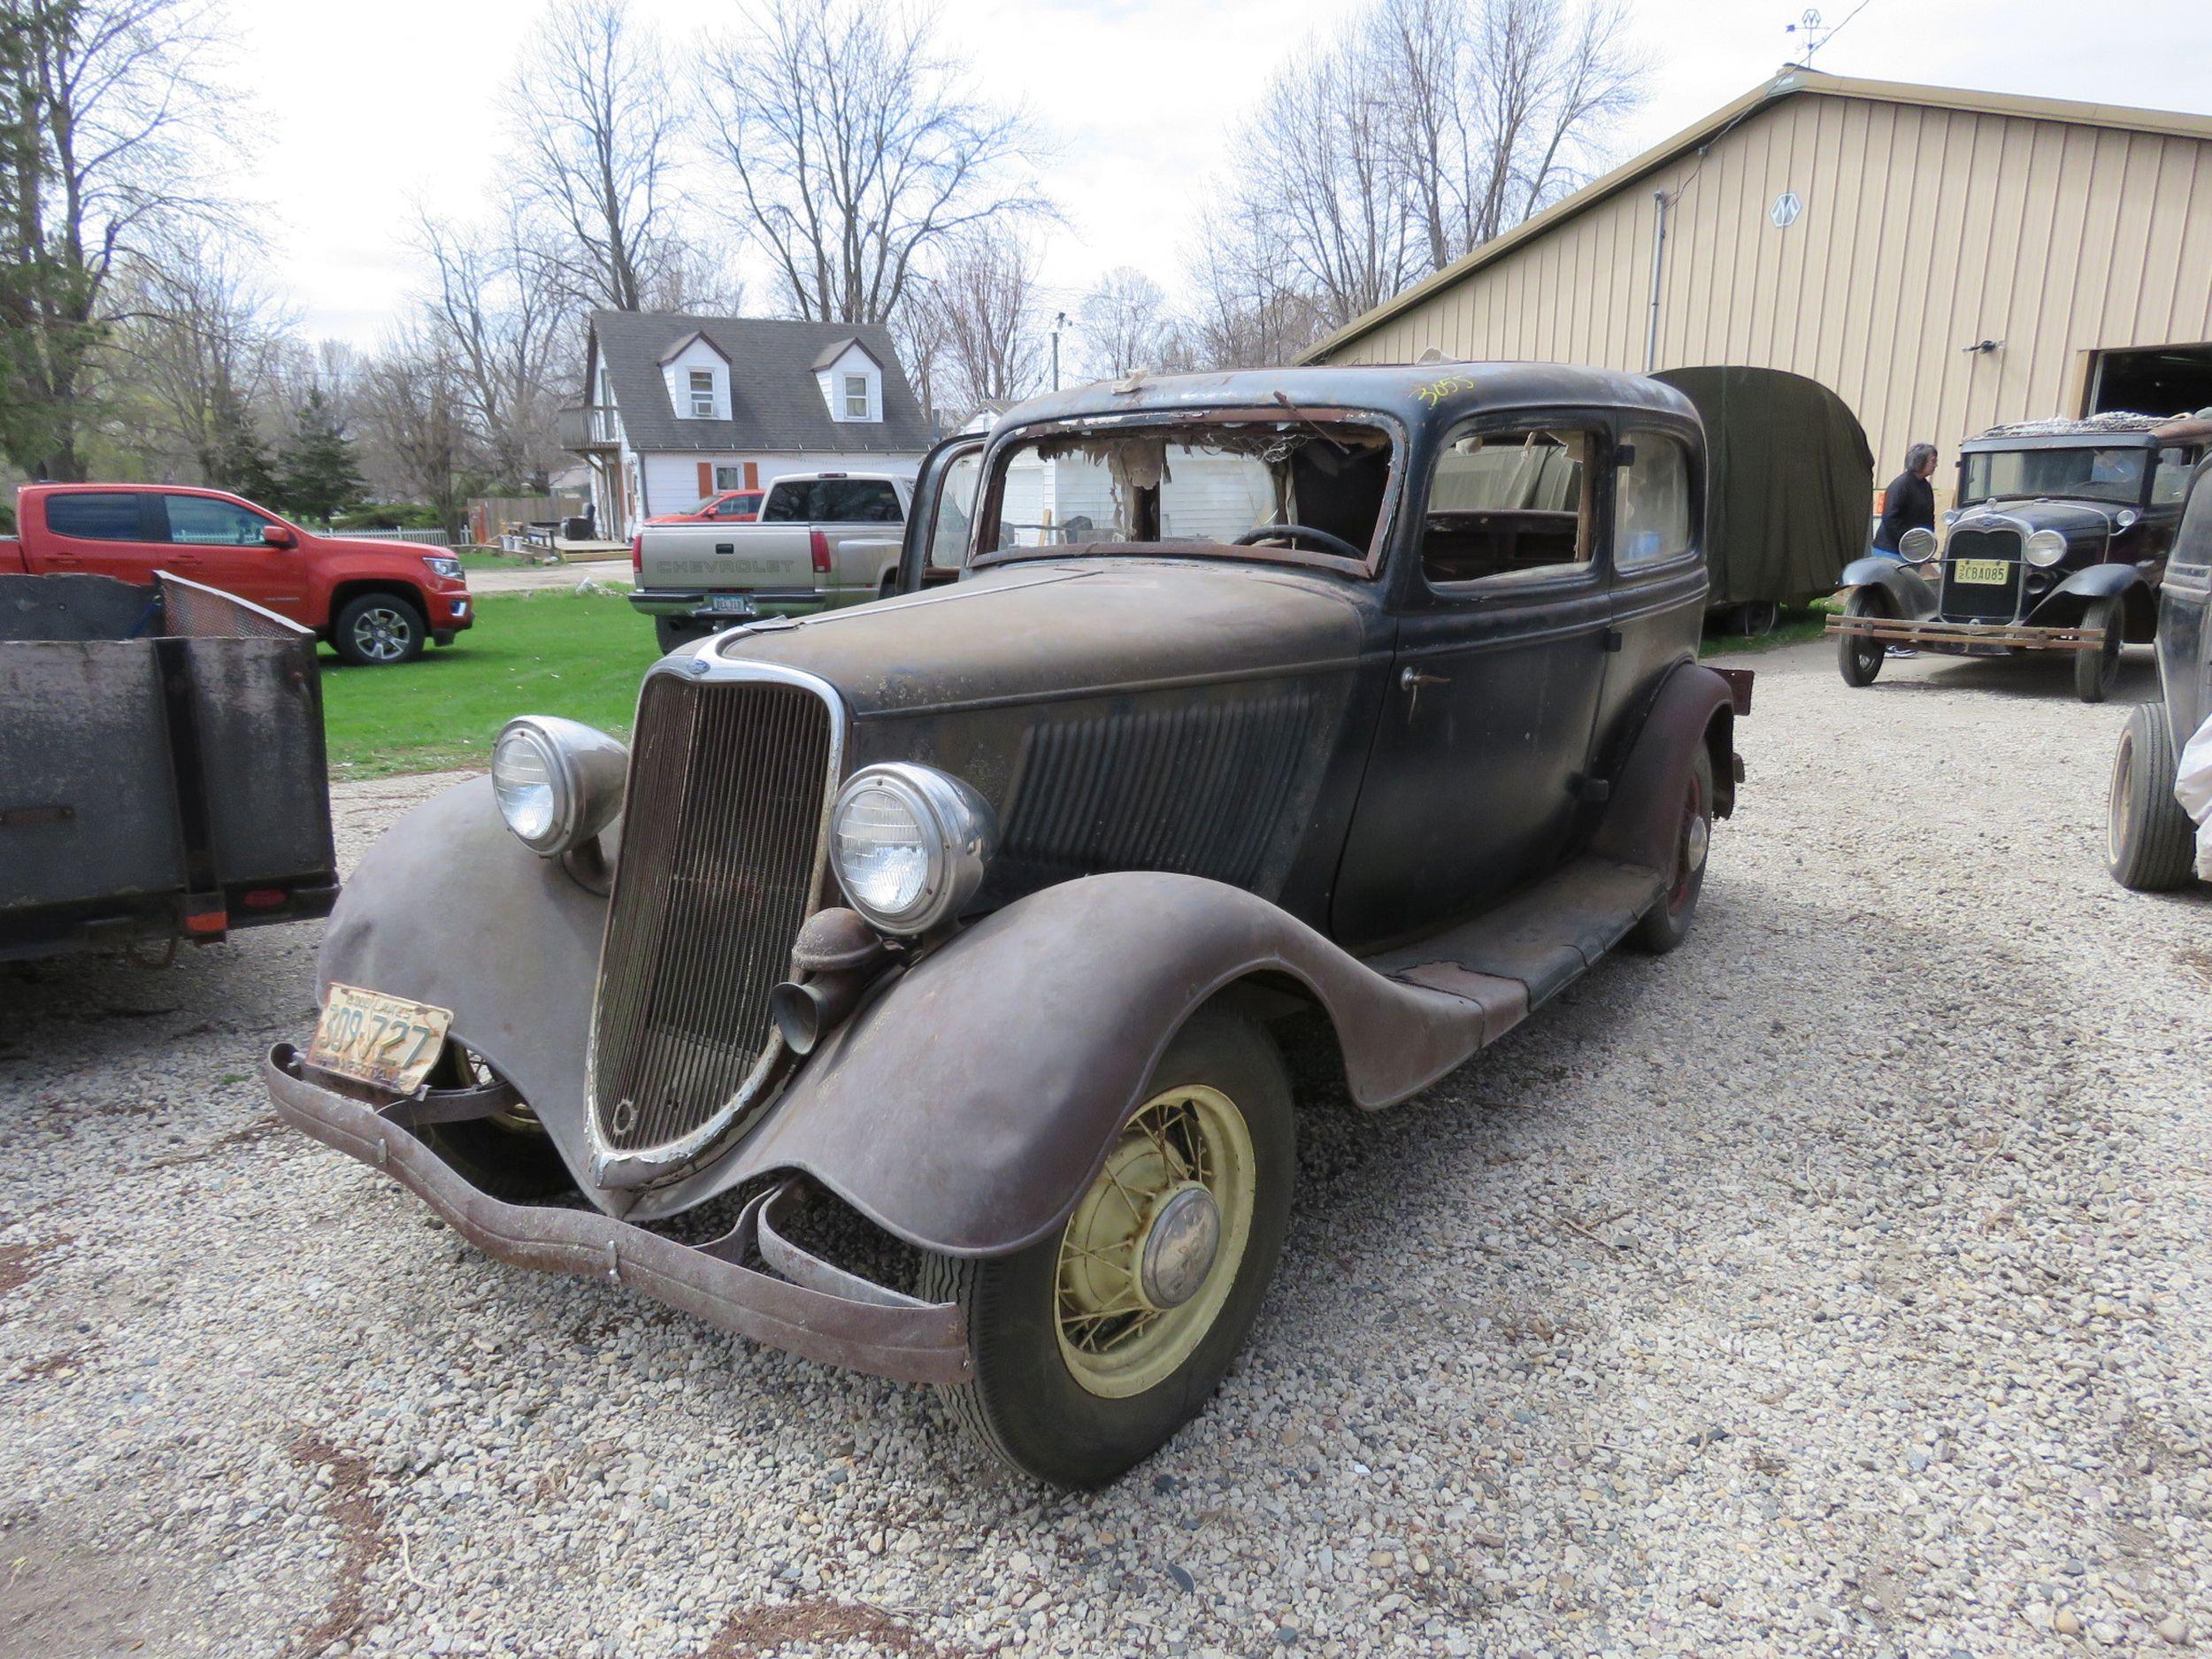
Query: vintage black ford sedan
[2058,544]
[920,1021]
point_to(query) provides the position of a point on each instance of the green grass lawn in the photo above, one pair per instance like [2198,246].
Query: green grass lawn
[485,559]
[1795,628]
[548,652]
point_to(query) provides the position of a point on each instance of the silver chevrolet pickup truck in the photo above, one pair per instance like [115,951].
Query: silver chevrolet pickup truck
[822,540]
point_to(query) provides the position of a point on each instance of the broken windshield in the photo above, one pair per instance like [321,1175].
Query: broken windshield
[2100,474]
[1196,485]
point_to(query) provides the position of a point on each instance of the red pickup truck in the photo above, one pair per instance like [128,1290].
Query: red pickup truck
[377,602]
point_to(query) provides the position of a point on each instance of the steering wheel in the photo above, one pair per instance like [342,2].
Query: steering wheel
[1321,539]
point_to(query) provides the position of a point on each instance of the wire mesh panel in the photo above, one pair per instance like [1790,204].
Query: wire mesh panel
[191,611]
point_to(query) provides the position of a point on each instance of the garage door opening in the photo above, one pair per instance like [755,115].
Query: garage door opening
[2161,380]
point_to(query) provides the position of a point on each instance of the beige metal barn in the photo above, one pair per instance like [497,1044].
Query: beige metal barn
[1944,260]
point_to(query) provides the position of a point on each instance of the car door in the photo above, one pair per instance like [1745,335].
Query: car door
[220,542]
[1657,573]
[2185,633]
[1477,770]
[103,533]
[938,524]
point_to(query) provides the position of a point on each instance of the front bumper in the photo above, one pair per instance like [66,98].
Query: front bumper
[805,1306]
[1967,639]
[451,610]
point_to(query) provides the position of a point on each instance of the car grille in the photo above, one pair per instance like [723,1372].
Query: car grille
[1982,601]
[720,863]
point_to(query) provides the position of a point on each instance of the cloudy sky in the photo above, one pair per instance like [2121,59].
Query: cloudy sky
[356,114]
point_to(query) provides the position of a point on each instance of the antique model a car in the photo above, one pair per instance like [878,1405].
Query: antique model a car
[2150,842]
[938,948]
[2057,544]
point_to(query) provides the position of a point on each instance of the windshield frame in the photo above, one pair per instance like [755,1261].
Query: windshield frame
[2102,440]
[988,509]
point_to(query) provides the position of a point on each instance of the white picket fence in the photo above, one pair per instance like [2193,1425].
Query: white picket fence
[428,538]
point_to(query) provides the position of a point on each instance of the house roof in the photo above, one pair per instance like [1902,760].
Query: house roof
[684,343]
[1792,81]
[838,348]
[775,401]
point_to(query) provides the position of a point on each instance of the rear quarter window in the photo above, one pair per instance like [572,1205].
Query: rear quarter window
[1653,497]
[95,516]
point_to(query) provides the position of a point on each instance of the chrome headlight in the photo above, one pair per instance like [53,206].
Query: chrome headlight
[558,782]
[1917,544]
[2045,547]
[910,845]
[444,564]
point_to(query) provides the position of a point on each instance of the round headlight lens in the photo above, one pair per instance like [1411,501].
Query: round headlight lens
[883,852]
[2045,547]
[909,844]
[527,780]
[558,783]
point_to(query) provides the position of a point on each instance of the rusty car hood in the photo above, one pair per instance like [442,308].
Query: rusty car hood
[1069,628]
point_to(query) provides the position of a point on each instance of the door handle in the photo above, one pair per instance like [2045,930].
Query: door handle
[1412,680]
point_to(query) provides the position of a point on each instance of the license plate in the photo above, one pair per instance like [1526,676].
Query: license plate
[384,1041]
[730,605]
[1988,572]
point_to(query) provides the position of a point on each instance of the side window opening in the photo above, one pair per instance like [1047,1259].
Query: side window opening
[702,394]
[1510,507]
[1651,502]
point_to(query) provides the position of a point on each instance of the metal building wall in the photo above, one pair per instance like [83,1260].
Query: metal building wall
[1922,231]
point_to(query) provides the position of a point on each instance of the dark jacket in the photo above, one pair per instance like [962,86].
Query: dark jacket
[1908,503]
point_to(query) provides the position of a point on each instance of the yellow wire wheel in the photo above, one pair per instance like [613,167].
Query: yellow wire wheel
[1151,1253]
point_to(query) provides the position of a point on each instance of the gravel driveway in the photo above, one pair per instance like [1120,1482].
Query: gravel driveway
[1840,1283]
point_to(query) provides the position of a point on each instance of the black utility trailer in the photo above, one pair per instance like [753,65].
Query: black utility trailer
[161,766]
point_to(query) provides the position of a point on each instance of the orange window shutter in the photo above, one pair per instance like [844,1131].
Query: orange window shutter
[706,478]
[752,476]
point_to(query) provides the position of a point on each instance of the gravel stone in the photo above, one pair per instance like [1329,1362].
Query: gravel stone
[1895,1175]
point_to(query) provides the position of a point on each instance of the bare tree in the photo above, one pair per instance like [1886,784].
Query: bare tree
[917,333]
[414,409]
[985,304]
[858,151]
[499,315]
[599,125]
[1420,129]
[201,340]
[1125,324]
[1251,311]
[110,125]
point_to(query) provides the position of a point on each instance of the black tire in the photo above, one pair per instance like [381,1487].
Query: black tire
[1858,658]
[378,630]
[1755,618]
[511,1156]
[2150,844]
[1666,923]
[2095,671]
[1025,1404]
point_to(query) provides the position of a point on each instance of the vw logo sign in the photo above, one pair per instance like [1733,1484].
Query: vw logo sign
[1786,207]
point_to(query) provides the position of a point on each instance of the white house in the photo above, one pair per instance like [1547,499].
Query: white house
[676,408]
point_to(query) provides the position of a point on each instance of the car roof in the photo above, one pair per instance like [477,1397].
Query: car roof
[1419,394]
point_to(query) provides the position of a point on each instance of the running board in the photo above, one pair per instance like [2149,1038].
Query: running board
[1543,938]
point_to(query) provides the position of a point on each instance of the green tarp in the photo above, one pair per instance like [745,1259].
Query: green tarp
[1793,481]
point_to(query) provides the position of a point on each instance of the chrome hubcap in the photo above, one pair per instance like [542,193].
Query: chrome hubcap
[1178,1248]
[381,633]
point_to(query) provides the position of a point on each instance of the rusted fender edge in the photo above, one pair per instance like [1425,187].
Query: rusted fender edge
[1643,820]
[449,909]
[866,1328]
[967,1107]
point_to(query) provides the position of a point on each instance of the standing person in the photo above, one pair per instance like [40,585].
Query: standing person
[1908,503]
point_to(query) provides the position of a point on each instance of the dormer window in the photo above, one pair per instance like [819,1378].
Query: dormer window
[702,394]
[856,397]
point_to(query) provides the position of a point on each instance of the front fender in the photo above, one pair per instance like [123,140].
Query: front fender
[449,909]
[1909,597]
[967,1104]
[2065,605]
